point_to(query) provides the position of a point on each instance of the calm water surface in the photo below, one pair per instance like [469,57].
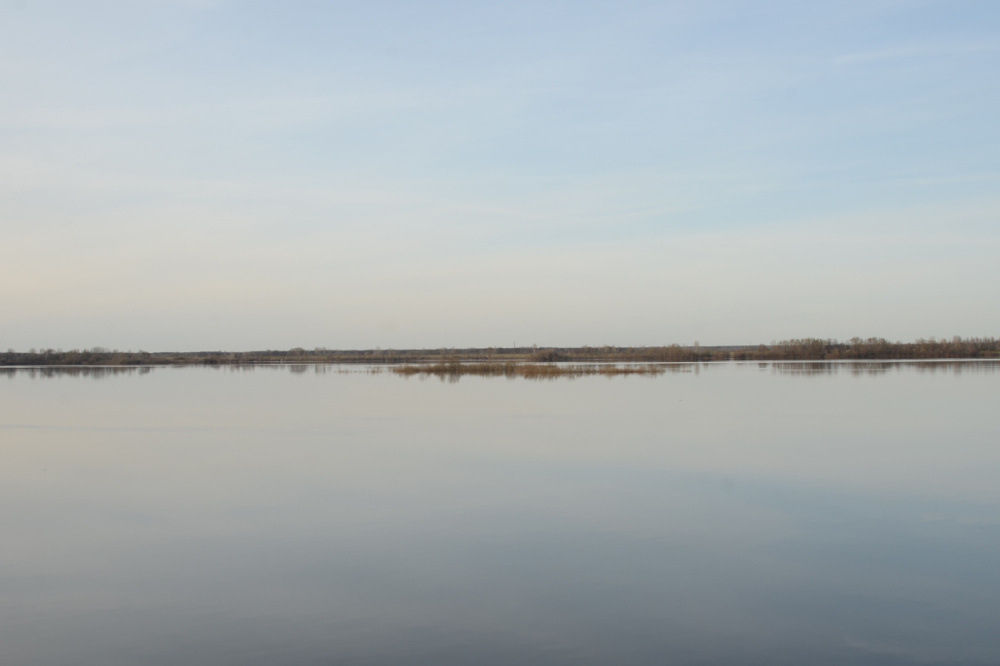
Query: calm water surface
[718,514]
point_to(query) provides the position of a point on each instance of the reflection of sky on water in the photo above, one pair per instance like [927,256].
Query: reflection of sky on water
[728,515]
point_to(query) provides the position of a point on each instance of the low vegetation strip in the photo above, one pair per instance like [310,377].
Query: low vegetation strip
[512,369]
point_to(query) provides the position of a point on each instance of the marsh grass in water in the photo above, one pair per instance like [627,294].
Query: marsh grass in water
[454,370]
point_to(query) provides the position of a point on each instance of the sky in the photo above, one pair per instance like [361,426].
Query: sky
[230,174]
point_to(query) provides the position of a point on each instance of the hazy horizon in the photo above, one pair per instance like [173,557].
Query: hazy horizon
[199,174]
[976,352]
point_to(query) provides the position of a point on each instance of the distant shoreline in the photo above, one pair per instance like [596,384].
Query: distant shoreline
[811,349]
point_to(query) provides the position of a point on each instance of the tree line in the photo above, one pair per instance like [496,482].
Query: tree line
[805,349]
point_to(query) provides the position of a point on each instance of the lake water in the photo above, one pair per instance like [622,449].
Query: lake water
[717,514]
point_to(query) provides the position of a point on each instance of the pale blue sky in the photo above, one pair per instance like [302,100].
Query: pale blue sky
[181,174]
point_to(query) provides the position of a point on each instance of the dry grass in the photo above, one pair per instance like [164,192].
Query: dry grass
[454,370]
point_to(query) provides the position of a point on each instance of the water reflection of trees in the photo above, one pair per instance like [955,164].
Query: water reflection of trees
[532,370]
[90,372]
[872,368]
[105,371]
